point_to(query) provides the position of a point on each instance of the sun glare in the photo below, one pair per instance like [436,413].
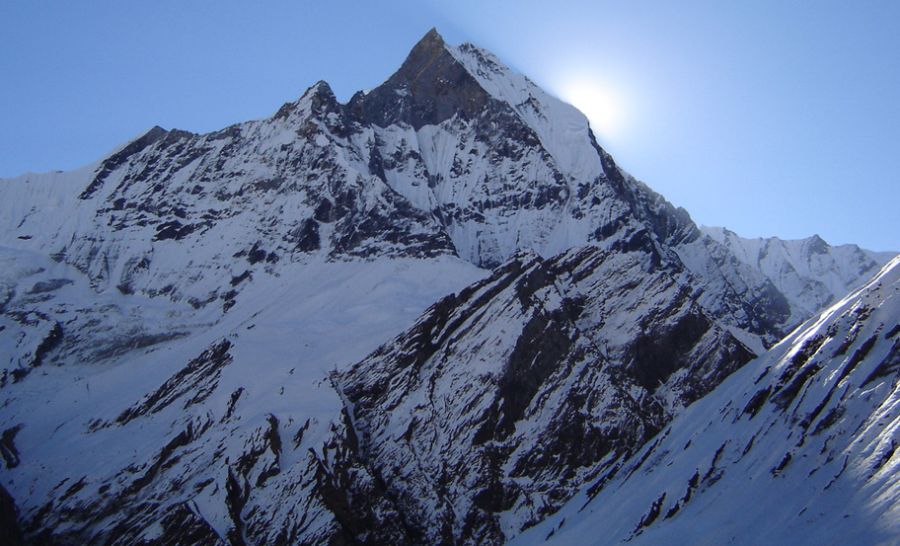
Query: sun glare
[602,106]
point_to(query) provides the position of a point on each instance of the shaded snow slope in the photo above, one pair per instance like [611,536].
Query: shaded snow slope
[211,430]
[798,447]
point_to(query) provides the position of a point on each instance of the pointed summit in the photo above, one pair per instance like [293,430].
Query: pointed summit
[430,87]
[430,49]
[427,48]
[432,40]
[320,86]
[319,97]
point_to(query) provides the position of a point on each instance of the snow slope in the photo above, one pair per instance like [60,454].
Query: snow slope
[809,272]
[798,447]
[94,425]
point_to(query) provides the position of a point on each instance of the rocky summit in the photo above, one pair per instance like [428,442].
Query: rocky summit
[438,313]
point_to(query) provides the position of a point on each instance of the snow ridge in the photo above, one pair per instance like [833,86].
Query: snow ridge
[812,423]
[809,272]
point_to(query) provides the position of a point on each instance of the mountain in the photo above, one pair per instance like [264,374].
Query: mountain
[213,338]
[809,272]
[453,155]
[505,397]
[797,447]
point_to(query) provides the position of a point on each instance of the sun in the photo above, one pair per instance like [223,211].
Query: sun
[602,105]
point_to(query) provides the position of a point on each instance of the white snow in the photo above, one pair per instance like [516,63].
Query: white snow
[835,487]
[809,272]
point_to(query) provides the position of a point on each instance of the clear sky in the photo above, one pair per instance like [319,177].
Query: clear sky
[768,117]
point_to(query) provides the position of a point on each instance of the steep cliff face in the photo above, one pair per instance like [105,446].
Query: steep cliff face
[210,316]
[799,446]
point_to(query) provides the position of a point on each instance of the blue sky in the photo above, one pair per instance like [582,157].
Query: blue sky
[771,118]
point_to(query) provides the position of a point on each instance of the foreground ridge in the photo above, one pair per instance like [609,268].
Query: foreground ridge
[799,446]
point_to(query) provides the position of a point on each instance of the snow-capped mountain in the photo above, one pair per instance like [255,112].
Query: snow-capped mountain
[797,447]
[809,272]
[454,154]
[212,339]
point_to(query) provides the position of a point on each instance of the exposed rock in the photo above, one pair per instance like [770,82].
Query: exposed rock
[198,379]
[10,532]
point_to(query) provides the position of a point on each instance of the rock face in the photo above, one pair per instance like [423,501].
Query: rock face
[228,320]
[10,533]
[429,88]
[799,446]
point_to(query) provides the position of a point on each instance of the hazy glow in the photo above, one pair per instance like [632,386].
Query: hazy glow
[602,105]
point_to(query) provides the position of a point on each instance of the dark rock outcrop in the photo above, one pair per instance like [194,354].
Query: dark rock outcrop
[10,531]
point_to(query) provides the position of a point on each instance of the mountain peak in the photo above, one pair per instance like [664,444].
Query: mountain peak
[431,40]
[426,51]
[320,86]
[318,97]
[429,87]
